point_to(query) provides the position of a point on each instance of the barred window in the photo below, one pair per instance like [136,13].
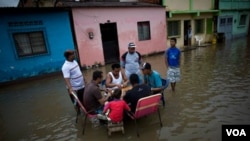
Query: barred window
[199,26]
[243,20]
[173,28]
[29,43]
[222,21]
[143,30]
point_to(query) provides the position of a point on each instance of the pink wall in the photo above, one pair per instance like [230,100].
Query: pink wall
[88,19]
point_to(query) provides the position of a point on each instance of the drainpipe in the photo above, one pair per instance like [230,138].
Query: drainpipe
[212,6]
[164,3]
[232,4]
[191,3]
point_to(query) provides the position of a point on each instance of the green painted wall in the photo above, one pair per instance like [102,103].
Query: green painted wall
[209,29]
[237,30]
[164,2]
[233,4]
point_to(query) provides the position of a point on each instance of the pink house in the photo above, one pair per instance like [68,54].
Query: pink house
[104,29]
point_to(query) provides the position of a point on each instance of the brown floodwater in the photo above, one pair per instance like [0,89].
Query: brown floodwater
[214,90]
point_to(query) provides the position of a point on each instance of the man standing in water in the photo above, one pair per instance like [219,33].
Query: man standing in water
[72,74]
[189,35]
[131,61]
[172,61]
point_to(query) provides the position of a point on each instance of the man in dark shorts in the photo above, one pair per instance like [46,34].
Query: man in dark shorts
[73,76]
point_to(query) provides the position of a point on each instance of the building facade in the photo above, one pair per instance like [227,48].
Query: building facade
[104,30]
[199,14]
[33,41]
[233,19]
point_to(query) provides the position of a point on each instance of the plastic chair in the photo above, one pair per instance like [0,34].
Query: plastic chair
[86,113]
[103,82]
[198,39]
[165,84]
[146,106]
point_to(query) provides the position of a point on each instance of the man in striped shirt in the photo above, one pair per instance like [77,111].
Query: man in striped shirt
[73,76]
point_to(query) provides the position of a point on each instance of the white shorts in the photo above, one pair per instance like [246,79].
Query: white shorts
[173,74]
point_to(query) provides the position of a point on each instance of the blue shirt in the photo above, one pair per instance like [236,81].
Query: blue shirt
[153,80]
[173,56]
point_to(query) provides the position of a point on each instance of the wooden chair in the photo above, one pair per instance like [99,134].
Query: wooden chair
[115,127]
[84,111]
[146,106]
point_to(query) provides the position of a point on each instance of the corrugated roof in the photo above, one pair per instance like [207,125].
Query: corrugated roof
[107,4]
[9,3]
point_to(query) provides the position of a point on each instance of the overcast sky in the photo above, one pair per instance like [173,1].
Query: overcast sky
[9,3]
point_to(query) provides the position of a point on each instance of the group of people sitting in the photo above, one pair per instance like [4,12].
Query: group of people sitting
[143,79]
[112,105]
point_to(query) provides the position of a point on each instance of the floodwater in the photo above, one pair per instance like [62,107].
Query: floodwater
[214,90]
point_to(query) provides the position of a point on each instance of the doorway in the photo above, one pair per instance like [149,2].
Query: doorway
[226,26]
[110,42]
[186,24]
[249,28]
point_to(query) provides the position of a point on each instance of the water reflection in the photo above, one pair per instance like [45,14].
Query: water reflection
[214,90]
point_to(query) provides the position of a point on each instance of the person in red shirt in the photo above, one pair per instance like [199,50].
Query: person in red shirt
[115,108]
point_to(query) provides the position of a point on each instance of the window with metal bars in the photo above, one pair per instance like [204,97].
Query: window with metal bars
[29,43]
[243,20]
[173,28]
[199,26]
[143,30]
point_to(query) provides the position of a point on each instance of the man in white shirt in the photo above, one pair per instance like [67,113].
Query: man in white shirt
[116,78]
[131,61]
[73,76]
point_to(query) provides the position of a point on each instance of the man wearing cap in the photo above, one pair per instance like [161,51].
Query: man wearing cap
[72,75]
[152,78]
[131,61]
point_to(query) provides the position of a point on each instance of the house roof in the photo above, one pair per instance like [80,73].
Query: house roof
[9,3]
[106,4]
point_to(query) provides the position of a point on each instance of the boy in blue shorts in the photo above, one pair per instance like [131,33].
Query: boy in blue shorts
[172,61]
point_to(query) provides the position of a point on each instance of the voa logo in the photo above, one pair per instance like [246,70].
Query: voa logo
[236,132]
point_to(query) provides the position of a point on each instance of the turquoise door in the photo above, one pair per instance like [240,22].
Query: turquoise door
[225,26]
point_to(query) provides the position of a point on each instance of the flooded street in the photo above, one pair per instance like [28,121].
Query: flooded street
[214,90]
